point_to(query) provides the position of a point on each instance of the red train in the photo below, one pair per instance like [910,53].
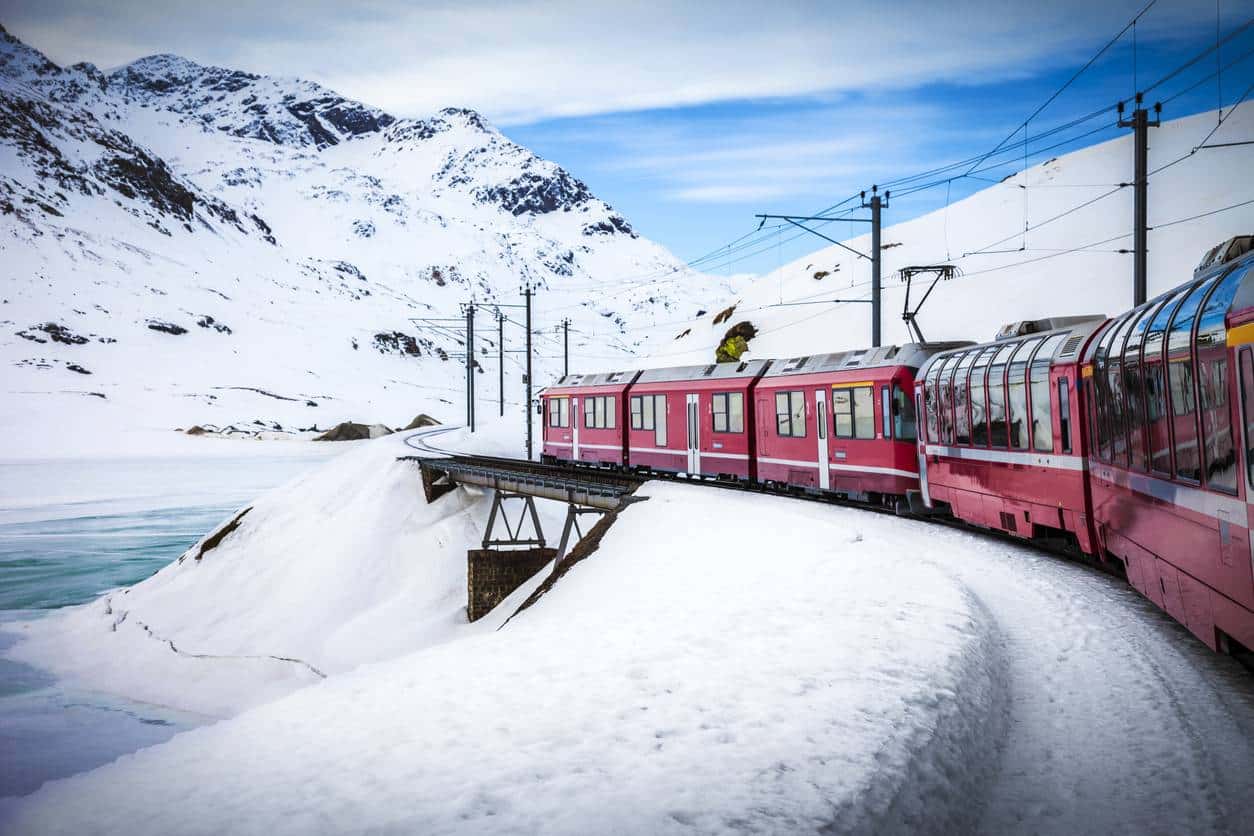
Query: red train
[1131,438]
[832,423]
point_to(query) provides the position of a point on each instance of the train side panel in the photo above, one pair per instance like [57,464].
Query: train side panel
[1001,440]
[1171,417]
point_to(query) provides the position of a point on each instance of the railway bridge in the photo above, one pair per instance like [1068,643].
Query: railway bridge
[509,558]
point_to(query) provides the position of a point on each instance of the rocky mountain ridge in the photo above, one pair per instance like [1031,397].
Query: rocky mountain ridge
[327,244]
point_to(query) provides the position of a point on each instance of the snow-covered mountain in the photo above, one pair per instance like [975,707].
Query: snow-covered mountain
[197,245]
[1073,259]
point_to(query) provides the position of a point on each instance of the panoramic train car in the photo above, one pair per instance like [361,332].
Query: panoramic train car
[1000,445]
[843,423]
[585,418]
[693,419]
[1169,391]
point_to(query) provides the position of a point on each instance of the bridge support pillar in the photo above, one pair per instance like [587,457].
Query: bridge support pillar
[573,513]
[492,575]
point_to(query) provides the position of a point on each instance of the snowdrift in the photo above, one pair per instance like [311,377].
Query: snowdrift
[345,565]
[724,662]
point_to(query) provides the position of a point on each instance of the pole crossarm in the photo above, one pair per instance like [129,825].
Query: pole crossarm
[813,218]
[827,237]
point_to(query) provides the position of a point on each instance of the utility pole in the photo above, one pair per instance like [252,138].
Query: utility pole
[875,205]
[527,402]
[565,347]
[1140,124]
[470,365]
[500,356]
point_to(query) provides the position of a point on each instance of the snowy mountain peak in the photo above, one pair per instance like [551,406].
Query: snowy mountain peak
[289,112]
[19,61]
[220,245]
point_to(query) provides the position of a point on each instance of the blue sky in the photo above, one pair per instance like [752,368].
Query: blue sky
[692,117]
[694,177]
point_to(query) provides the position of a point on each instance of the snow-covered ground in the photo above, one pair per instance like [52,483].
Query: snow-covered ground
[725,662]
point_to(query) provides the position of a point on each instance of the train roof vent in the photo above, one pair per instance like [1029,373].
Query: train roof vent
[794,364]
[741,367]
[892,352]
[1072,345]
[1038,326]
[1229,250]
[856,357]
[709,370]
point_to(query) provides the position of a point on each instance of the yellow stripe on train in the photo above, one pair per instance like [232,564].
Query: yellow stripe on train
[1241,335]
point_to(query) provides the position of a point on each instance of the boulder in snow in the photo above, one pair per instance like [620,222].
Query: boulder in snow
[352,431]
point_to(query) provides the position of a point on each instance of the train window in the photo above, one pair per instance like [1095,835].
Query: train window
[1156,417]
[1038,376]
[729,412]
[1064,414]
[1154,381]
[1101,392]
[598,412]
[930,405]
[979,403]
[790,414]
[998,435]
[659,414]
[842,413]
[1116,413]
[1134,385]
[945,403]
[1218,448]
[1090,398]
[1017,391]
[903,415]
[853,412]
[886,413]
[962,418]
[864,412]
[611,412]
[1180,381]
[648,412]
[1247,412]
[559,412]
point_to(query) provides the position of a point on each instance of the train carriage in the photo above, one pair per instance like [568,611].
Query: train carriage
[842,423]
[1000,446]
[1169,391]
[694,419]
[585,418]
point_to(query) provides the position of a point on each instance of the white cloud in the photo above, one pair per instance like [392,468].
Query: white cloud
[525,61]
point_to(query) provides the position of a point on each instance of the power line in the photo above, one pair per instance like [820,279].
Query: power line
[1069,82]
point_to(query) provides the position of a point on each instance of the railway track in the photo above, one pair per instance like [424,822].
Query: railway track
[573,473]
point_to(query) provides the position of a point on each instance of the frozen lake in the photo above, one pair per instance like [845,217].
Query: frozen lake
[70,530]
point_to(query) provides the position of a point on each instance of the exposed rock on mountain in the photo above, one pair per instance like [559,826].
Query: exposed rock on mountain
[166,193]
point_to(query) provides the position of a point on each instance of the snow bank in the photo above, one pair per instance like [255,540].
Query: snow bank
[344,565]
[724,662]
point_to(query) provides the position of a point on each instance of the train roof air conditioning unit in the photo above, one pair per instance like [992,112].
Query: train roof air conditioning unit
[1229,250]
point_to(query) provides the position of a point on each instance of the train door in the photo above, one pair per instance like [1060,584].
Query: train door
[820,420]
[921,446]
[694,431]
[1246,384]
[576,417]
